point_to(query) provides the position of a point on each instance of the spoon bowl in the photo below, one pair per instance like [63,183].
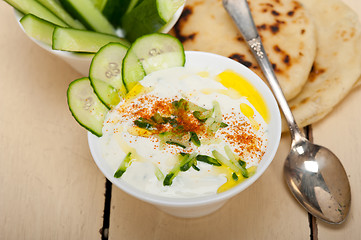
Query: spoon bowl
[313,173]
[318,181]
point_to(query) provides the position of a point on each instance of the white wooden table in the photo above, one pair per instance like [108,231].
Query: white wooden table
[50,188]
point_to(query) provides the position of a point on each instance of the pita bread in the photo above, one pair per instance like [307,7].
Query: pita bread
[337,65]
[286,30]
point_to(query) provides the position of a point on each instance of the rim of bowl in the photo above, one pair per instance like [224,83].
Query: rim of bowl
[275,123]
[165,29]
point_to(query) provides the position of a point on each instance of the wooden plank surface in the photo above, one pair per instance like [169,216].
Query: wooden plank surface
[341,132]
[49,186]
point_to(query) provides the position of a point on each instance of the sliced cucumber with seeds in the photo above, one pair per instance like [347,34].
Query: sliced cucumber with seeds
[75,40]
[151,53]
[106,73]
[85,106]
[38,28]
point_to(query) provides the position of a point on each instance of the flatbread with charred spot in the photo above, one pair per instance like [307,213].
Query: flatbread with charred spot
[337,65]
[284,26]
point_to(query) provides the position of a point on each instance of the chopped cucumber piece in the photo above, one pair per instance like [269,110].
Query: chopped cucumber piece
[182,165]
[231,162]
[55,7]
[37,9]
[85,106]
[176,144]
[173,139]
[158,173]
[75,40]
[223,125]
[241,165]
[148,16]
[224,161]
[106,73]
[209,160]
[144,123]
[38,28]
[151,53]
[91,17]
[157,118]
[123,166]
[195,140]
[234,176]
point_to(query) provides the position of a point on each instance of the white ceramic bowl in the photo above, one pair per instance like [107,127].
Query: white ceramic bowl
[81,62]
[200,206]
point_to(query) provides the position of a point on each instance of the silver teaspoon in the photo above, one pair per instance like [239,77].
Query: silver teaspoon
[313,173]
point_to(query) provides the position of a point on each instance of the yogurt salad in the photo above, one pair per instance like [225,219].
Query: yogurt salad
[183,133]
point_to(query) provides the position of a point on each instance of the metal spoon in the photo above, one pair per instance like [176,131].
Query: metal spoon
[313,173]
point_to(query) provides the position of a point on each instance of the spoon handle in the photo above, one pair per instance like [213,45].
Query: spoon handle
[239,11]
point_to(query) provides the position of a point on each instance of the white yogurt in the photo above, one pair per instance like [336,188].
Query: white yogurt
[159,89]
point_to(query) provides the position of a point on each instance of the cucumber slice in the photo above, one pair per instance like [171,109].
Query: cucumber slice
[148,16]
[132,70]
[151,53]
[35,8]
[91,17]
[167,9]
[55,7]
[106,73]
[85,106]
[158,51]
[106,93]
[75,40]
[38,28]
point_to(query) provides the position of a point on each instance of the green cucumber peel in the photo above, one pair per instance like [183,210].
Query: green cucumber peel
[123,166]
[209,160]
[38,28]
[182,165]
[195,140]
[105,73]
[85,106]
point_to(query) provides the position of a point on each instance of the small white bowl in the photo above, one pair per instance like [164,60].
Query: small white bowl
[81,62]
[200,206]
